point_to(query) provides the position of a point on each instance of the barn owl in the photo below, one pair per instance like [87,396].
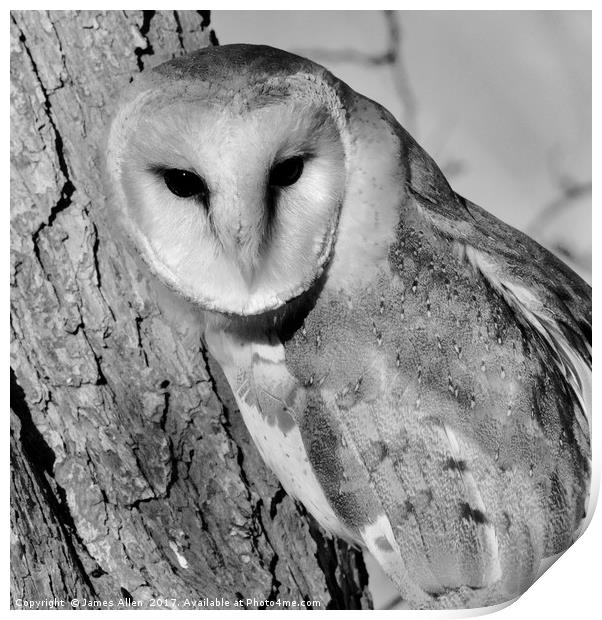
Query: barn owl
[416,372]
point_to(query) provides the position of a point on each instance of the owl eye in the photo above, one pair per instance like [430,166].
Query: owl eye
[185,184]
[287,172]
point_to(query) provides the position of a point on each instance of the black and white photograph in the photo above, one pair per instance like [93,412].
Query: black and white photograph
[300,309]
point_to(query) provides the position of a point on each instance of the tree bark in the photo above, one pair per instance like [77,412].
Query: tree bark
[133,476]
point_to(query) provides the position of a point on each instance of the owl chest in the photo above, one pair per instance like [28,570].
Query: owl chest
[280,444]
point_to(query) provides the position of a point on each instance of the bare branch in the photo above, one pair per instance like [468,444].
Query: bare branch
[570,192]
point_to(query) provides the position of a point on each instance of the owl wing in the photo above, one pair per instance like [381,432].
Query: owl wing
[551,306]
[543,293]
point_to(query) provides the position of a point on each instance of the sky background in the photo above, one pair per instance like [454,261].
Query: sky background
[500,99]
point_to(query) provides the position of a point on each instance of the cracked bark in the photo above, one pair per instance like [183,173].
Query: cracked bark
[132,473]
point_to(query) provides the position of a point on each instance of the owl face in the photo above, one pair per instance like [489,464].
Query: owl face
[232,189]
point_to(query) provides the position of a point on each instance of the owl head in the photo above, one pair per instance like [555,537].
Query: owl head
[228,169]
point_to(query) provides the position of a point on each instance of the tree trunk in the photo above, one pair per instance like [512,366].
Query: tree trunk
[133,476]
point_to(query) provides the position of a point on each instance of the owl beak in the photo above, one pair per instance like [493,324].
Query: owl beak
[247,271]
[240,226]
[246,255]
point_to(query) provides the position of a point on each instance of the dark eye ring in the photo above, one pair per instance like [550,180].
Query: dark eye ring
[185,184]
[286,172]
